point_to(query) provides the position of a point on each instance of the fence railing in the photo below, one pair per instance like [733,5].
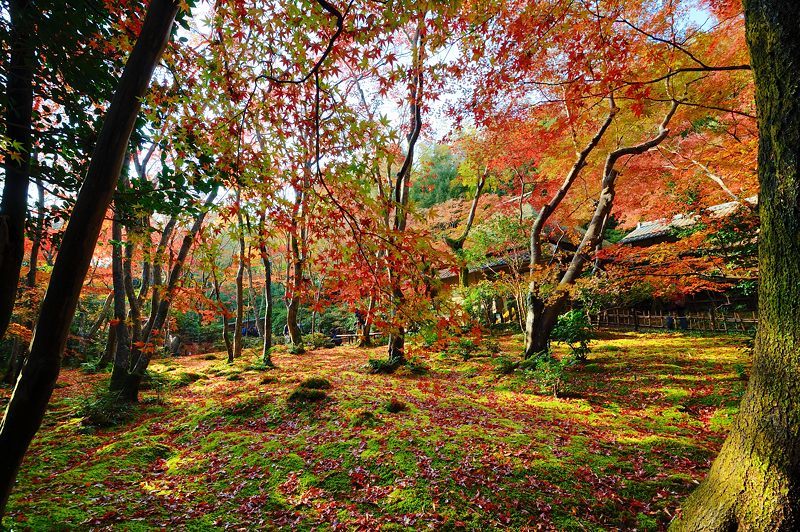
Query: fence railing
[688,321]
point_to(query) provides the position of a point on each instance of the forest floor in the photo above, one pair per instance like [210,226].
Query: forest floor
[216,446]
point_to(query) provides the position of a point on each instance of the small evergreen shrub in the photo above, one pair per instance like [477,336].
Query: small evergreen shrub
[363,418]
[505,366]
[382,366]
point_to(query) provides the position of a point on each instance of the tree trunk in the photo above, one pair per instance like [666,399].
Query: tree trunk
[19,113]
[102,316]
[366,327]
[754,484]
[237,333]
[122,351]
[37,237]
[542,323]
[111,348]
[266,356]
[141,358]
[254,301]
[28,402]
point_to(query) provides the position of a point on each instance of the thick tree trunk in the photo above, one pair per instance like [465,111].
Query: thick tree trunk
[754,484]
[540,321]
[19,113]
[28,402]
[254,301]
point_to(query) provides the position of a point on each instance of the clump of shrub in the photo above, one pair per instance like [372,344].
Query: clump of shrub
[296,349]
[186,378]
[463,347]
[210,356]
[394,406]
[363,418]
[550,374]
[318,341]
[573,328]
[103,409]
[505,366]
[316,383]
[306,395]
[382,366]
[310,391]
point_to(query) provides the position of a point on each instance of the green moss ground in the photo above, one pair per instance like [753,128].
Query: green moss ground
[637,426]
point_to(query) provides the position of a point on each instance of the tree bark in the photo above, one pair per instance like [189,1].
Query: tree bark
[141,357]
[539,324]
[37,237]
[237,333]
[122,350]
[572,175]
[28,402]
[19,115]
[266,355]
[754,484]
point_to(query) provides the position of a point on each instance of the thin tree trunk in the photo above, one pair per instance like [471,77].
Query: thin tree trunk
[26,408]
[237,334]
[754,484]
[37,236]
[141,357]
[266,356]
[102,316]
[19,114]
[572,175]
[122,351]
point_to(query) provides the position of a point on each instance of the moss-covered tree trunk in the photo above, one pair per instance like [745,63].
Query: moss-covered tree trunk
[754,483]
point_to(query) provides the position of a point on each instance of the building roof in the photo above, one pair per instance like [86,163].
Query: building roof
[663,227]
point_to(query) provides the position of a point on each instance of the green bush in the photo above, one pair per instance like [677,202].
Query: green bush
[574,329]
[302,394]
[505,366]
[549,373]
[318,341]
[316,383]
[381,365]
[104,408]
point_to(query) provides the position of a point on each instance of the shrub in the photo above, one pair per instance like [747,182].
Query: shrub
[104,408]
[363,418]
[316,383]
[296,349]
[574,329]
[318,341]
[394,406]
[505,366]
[302,394]
[210,356]
[463,347]
[382,366]
[549,373]
[185,379]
